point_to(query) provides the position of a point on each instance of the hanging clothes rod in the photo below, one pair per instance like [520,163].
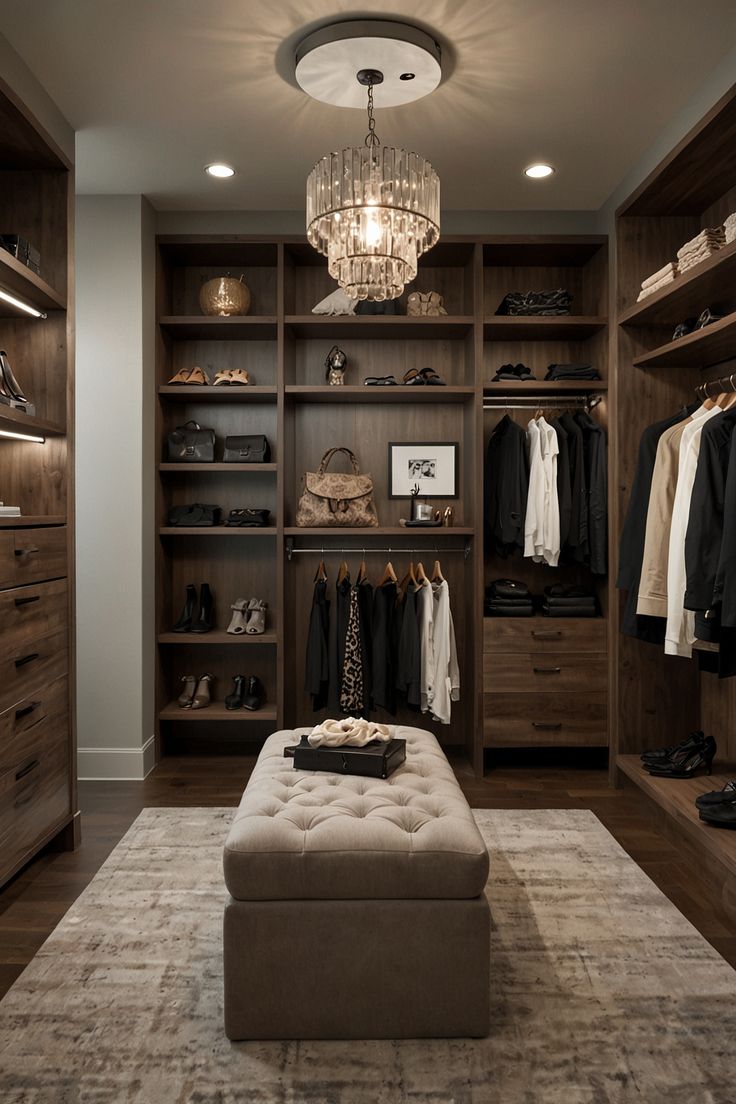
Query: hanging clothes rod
[327,551]
[717,387]
[557,401]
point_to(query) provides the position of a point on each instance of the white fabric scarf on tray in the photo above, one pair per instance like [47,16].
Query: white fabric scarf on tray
[350,731]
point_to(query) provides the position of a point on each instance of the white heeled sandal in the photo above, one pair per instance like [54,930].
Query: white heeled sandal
[237,624]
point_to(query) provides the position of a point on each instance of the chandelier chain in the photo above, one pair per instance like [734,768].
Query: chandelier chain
[371,138]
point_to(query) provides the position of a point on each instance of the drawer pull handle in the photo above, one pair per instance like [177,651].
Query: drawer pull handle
[547,670]
[27,659]
[547,726]
[19,713]
[546,635]
[27,601]
[34,763]
[26,551]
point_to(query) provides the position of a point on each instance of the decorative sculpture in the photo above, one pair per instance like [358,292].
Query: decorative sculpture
[335,367]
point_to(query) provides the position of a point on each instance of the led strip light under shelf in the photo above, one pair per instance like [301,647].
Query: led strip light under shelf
[20,305]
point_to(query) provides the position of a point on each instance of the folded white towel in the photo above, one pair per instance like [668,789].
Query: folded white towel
[669,270]
[713,236]
[349,731]
[697,258]
[646,291]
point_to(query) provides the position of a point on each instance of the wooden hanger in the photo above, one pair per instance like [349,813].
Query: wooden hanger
[321,576]
[362,570]
[389,575]
[421,575]
[343,572]
[437,576]
[410,577]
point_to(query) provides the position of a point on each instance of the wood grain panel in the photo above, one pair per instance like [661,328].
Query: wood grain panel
[544,720]
[31,667]
[40,554]
[33,612]
[547,672]
[573,634]
[32,720]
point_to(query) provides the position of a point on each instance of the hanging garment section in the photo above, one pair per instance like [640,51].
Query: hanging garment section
[394,643]
[546,490]
[678,545]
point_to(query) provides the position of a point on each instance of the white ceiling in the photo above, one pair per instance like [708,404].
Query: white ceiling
[158,89]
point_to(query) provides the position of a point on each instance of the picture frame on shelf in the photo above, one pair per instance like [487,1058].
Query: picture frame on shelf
[432,466]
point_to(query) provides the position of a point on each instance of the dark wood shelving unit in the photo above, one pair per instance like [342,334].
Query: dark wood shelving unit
[216,468]
[701,349]
[362,394]
[703,285]
[23,282]
[563,328]
[216,328]
[32,521]
[216,711]
[217,638]
[553,387]
[16,421]
[428,534]
[379,326]
[216,531]
[183,393]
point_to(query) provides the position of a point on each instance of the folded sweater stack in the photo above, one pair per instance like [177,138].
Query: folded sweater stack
[729,227]
[572,372]
[702,246]
[508,598]
[561,600]
[658,280]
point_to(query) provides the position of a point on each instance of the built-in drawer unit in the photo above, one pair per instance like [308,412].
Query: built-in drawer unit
[31,666]
[34,798]
[538,720]
[32,612]
[543,672]
[536,634]
[33,718]
[38,554]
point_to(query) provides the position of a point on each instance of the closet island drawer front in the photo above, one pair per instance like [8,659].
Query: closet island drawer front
[32,612]
[544,720]
[534,634]
[39,554]
[34,797]
[38,717]
[544,672]
[31,667]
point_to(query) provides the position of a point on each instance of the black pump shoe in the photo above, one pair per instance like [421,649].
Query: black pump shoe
[206,619]
[184,624]
[721,816]
[716,797]
[687,763]
[12,386]
[254,694]
[235,700]
[660,755]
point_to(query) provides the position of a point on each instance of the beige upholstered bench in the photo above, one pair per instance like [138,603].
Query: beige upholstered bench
[357,905]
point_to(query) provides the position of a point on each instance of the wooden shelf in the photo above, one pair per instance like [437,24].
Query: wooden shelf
[214,327]
[216,711]
[15,421]
[688,294]
[215,531]
[676,796]
[31,521]
[568,327]
[428,533]
[700,349]
[195,394]
[22,281]
[363,394]
[217,637]
[510,387]
[211,469]
[379,326]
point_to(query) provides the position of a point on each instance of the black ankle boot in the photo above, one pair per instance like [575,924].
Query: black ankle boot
[235,700]
[206,619]
[184,624]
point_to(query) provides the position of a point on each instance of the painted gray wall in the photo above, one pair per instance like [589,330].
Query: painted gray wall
[114,411]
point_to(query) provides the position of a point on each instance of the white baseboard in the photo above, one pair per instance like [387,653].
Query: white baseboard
[116,764]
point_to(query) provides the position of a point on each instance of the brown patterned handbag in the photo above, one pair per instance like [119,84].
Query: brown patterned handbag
[336,499]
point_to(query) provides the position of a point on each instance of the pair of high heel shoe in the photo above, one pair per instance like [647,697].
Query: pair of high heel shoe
[248,693]
[249,616]
[189,619]
[10,389]
[683,760]
[198,377]
[196,692]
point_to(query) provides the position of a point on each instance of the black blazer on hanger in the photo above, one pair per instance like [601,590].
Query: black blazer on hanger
[506,488]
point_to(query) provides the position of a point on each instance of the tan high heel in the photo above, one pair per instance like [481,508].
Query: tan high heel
[182,376]
[202,696]
[237,621]
[256,617]
[187,694]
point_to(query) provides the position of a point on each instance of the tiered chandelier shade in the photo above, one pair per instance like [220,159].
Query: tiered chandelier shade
[372,211]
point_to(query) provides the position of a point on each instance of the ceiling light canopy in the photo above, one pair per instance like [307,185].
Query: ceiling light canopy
[372,210]
[220,169]
[538,171]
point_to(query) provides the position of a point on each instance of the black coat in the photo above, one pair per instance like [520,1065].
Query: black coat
[595,449]
[506,488]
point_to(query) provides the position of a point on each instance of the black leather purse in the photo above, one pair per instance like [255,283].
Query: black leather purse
[196,515]
[247,448]
[191,444]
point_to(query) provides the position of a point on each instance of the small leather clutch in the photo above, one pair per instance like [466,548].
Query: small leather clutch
[247,448]
[198,514]
[251,519]
[191,444]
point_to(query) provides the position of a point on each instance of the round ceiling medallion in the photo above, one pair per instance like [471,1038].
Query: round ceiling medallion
[328,62]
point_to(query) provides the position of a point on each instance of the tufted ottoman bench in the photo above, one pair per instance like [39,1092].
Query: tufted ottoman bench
[356,905]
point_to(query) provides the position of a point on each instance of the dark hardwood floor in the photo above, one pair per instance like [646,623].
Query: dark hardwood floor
[34,902]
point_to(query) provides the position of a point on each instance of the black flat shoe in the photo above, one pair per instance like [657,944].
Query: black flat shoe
[380,381]
[184,624]
[687,763]
[254,694]
[717,797]
[660,755]
[720,816]
[235,700]
[206,620]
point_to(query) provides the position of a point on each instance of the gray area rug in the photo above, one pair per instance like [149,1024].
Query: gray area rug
[602,991]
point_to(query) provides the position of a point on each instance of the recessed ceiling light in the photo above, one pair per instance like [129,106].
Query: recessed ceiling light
[539,171]
[219,169]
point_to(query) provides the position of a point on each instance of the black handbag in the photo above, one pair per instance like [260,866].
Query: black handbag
[248,519]
[192,444]
[247,448]
[198,514]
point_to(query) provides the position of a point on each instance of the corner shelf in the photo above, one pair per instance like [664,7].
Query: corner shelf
[197,393]
[22,281]
[215,327]
[567,327]
[216,531]
[362,394]
[216,711]
[688,294]
[511,387]
[422,327]
[216,638]
[210,469]
[15,421]
[700,349]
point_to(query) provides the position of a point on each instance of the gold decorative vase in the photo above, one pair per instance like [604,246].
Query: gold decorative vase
[224,295]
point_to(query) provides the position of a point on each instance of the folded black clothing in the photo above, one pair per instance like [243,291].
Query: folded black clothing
[490,609]
[562,602]
[572,372]
[536,302]
[508,588]
[509,603]
[568,611]
[568,590]
[513,376]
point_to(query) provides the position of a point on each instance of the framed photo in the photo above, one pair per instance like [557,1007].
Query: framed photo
[430,465]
